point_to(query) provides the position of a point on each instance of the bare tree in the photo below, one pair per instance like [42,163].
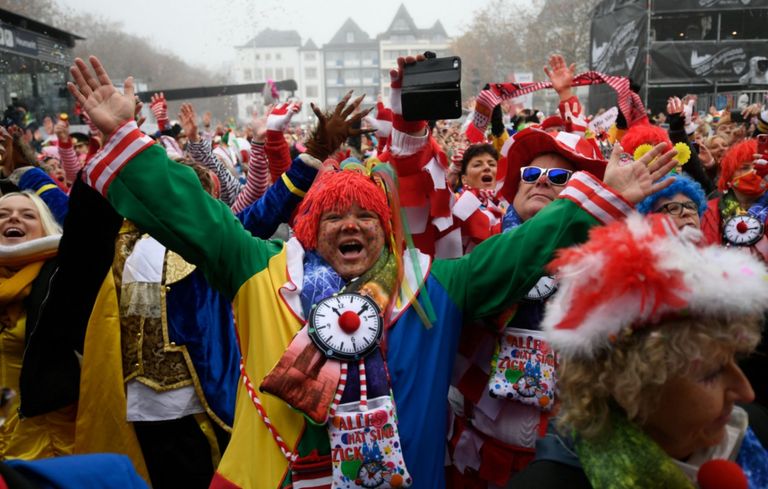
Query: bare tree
[503,38]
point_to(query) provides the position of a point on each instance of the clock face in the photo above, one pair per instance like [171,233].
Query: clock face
[346,326]
[742,230]
[545,287]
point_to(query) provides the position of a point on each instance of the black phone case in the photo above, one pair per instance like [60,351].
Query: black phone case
[431,89]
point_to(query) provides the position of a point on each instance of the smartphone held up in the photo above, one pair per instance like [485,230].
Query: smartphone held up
[432,89]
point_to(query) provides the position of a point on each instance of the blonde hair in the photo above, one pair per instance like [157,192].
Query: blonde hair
[50,226]
[632,374]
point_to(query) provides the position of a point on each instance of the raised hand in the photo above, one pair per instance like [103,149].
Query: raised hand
[107,108]
[259,124]
[335,127]
[188,120]
[61,130]
[561,75]
[637,180]
[280,116]
[675,106]
[159,108]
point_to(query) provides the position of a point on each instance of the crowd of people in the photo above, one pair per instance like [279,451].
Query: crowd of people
[510,300]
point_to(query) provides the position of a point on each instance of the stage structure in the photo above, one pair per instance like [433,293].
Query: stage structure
[34,64]
[669,47]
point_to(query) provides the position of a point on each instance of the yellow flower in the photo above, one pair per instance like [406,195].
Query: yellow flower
[641,150]
[683,153]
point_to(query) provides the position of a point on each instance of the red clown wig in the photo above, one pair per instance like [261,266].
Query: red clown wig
[640,134]
[733,159]
[336,191]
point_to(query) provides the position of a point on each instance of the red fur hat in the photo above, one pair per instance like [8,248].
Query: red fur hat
[640,134]
[337,191]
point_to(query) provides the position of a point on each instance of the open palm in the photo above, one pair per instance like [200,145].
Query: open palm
[104,104]
[637,180]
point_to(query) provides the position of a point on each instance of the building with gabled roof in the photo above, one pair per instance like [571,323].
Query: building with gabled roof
[404,38]
[351,63]
[352,60]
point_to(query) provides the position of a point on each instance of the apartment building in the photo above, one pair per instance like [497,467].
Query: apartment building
[352,60]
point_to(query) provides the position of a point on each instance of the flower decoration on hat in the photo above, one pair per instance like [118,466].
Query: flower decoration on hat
[682,157]
[636,273]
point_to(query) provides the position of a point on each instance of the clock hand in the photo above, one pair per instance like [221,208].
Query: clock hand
[362,309]
[336,311]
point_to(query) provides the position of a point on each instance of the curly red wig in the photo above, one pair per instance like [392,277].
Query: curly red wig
[733,158]
[640,134]
[337,191]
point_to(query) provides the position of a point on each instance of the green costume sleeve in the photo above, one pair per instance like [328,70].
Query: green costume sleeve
[502,269]
[166,200]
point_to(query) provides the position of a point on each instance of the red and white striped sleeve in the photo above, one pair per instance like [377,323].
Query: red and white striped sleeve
[599,200]
[69,160]
[124,144]
[258,178]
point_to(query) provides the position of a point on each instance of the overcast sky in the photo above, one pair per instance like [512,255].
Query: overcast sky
[205,32]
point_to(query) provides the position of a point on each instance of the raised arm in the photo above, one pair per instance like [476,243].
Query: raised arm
[258,179]
[200,150]
[561,75]
[678,134]
[277,149]
[69,160]
[276,206]
[163,198]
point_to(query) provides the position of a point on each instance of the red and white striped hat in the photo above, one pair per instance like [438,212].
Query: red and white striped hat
[521,148]
[639,272]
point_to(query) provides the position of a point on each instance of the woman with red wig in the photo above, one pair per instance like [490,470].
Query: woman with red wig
[737,216]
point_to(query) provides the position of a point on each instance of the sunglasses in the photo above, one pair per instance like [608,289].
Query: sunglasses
[556,176]
[677,208]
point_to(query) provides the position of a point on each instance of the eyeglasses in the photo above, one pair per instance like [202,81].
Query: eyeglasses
[556,176]
[677,208]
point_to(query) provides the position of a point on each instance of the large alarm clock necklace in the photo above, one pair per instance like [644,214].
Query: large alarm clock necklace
[347,327]
[746,229]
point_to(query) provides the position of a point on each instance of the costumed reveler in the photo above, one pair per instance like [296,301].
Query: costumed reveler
[335,324]
[649,326]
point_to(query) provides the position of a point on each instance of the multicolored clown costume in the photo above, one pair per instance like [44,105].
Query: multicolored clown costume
[265,280]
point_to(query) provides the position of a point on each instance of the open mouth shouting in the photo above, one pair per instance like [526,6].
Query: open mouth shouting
[351,249]
[13,234]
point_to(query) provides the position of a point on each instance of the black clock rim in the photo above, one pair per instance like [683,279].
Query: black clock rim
[325,349]
[748,243]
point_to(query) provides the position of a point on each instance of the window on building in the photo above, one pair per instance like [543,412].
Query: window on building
[258,56]
[310,73]
[269,74]
[268,56]
[279,74]
[278,56]
[743,24]
[351,56]
[372,56]
[350,37]
[685,27]
[371,75]
[247,74]
[310,56]
[258,74]
[352,76]
[310,91]
[289,73]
